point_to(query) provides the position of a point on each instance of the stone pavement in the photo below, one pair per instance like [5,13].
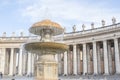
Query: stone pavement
[91,77]
[78,77]
[17,78]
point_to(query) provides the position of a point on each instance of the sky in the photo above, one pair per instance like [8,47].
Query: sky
[19,15]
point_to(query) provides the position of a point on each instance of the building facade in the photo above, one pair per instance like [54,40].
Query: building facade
[91,52]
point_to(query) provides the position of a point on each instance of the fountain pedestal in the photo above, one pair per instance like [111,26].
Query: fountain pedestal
[47,68]
[47,71]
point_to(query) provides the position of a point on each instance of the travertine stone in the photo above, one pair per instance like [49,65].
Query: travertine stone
[20,61]
[74,60]
[117,59]
[47,70]
[11,62]
[84,60]
[65,63]
[95,58]
[105,57]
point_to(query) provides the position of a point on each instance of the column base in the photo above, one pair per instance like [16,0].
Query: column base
[117,73]
[10,74]
[64,74]
[106,74]
[74,74]
[85,73]
[95,74]
[20,75]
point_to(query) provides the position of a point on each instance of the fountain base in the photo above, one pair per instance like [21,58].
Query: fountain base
[46,70]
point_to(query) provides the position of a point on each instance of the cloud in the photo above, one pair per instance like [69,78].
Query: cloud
[70,12]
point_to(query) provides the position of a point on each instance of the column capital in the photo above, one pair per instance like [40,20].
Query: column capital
[74,44]
[94,42]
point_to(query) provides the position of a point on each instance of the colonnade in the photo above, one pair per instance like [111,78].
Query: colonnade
[97,57]
[18,62]
[93,58]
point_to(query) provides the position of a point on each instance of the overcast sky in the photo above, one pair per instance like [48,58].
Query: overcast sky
[19,15]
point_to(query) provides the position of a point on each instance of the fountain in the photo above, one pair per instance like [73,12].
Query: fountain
[46,48]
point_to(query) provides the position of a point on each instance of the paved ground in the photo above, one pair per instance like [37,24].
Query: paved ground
[87,77]
[17,78]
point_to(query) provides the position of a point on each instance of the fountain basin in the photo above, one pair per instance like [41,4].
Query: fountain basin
[46,47]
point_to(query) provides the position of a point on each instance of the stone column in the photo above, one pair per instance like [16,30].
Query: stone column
[65,63]
[68,62]
[95,58]
[88,59]
[102,60]
[74,60]
[4,63]
[78,60]
[117,61]
[17,59]
[109,58]
[105,57]
[99,60]
[14,61]
[29,66]
[32,64]
[59,64]
[24,63]
[11,62]
[7,58]
[20,62]
[84,59]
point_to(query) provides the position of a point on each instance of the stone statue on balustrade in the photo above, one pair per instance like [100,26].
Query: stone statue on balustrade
[92,25]
[83,26]
[13,34]
[74,28]
[64,30]
[4,34]
[21,34]
[113,20]
[103,22]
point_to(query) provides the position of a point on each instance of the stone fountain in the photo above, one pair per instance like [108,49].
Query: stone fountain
[46,48]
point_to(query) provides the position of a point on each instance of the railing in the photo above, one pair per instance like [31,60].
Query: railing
[60,37]
[109,27]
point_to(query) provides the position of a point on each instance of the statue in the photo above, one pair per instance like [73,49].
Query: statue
[74,28]
[21,34]
[92,25]
[13,34]
[113,20]
[64,30]
[103,23]
[83,26]
[4,34]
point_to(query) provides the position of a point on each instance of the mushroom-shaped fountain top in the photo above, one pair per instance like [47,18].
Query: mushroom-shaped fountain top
[38,27]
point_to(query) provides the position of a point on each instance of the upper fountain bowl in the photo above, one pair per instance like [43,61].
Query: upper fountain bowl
[38,27]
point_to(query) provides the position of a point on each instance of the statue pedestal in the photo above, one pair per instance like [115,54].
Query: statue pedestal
[46,70]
